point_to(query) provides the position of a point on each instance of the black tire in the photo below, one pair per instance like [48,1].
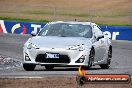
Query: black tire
[91,58]
[110,52]
[104,66]
[107,66]
[29,67]
[49,67]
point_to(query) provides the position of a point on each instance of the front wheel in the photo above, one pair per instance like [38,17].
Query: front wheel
[29,67]
[91,58]
[107,66]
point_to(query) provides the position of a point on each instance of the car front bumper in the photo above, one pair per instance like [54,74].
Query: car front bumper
[31,55]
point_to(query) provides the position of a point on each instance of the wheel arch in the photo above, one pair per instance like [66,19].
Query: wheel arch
[92,48]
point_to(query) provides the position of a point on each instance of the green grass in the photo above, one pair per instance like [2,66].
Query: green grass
[58,13]
[22,20]
[38,12]
[119,24]
[32,20]
[92,14]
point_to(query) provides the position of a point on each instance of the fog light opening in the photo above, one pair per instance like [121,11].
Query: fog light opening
[27,57]
[81,59]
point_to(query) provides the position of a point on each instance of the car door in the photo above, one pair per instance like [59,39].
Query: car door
[99,45]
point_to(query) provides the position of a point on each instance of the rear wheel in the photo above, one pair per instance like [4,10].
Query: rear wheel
[29,67]
[49,67]
[91,58]
[106,66]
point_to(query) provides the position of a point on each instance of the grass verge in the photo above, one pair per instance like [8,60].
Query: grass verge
[32,20]
[22,20]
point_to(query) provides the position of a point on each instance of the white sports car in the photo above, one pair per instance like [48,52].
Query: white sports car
[68,44]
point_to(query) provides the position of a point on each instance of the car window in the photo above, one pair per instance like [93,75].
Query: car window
[67,30]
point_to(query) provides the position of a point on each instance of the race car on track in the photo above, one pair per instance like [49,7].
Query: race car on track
[68,44]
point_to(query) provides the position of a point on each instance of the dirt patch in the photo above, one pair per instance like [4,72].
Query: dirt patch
[53,82]
[102,11]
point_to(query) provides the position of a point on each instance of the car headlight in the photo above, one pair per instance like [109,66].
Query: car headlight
[30,45]
[77,47]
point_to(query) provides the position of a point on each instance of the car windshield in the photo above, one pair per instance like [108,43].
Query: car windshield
[66,30]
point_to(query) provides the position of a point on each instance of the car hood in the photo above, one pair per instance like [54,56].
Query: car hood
[57,42]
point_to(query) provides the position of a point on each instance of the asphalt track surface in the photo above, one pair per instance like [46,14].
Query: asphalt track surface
[11,45]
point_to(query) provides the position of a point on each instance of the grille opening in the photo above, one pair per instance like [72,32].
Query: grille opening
[62,59]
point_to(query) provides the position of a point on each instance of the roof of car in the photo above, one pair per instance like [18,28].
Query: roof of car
[72,22]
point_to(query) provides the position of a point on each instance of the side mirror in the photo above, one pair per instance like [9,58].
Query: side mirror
[106,34]
[99,37]
[33,34]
